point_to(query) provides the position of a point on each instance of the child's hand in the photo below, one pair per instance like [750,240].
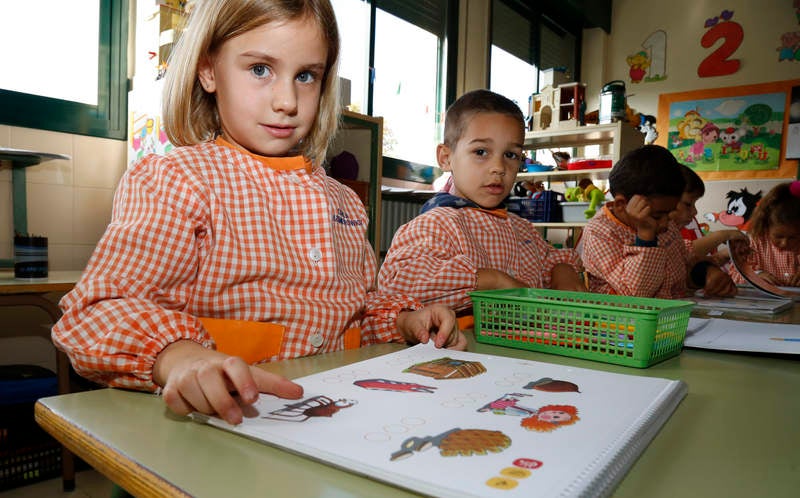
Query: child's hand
[564,277]
[638,210]
[740,249]
[490,279]
[768,277]
[794,281]
[203,380]
[718,283]
[733,235]
[437,322]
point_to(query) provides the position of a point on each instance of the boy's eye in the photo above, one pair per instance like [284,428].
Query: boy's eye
[260,70]
[481,152]
[513,155]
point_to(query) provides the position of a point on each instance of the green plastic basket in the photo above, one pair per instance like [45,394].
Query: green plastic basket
[631,331]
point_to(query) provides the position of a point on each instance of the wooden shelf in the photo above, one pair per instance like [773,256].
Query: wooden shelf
[362,136]
[616,138]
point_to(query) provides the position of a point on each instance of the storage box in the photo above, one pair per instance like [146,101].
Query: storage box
[631,331]
[553,77]
[27,453]
[572,212]
[577,164]
[541,207]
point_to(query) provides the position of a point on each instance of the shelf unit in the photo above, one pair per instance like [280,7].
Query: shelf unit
[362,136]
[614,139]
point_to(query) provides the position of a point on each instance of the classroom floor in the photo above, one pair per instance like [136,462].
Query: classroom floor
[88,484]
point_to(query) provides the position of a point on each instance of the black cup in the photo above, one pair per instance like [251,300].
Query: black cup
[30,257]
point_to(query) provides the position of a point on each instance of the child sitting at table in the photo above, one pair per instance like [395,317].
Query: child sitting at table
[465,239]
[238,222]
[684,216]
[631,248]
[775,237]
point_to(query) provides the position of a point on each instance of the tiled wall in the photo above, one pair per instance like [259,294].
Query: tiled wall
[69,201]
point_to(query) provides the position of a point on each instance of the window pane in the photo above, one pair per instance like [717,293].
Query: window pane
[353,19]
[513,78]
[53,48]
[405,88]
[558,50]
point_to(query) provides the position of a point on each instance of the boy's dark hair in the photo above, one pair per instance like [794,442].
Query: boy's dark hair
[474,102]
[779,207]
[648,171]
[694,184]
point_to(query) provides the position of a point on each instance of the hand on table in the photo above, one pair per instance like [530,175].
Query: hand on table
[436,322]
[195,378]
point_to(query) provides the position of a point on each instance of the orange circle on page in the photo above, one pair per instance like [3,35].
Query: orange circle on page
[501,483]
[515,472]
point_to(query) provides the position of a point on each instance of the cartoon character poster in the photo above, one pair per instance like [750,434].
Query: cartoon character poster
[728,134]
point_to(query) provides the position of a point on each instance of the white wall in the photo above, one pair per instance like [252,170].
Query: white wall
[763,23]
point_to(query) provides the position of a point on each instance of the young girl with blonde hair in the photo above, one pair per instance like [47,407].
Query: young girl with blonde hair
[775,237]
[240,223]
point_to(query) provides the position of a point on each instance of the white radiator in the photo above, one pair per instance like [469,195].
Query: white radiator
[395,212]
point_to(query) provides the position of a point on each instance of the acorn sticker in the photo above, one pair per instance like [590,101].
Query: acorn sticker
[549,385]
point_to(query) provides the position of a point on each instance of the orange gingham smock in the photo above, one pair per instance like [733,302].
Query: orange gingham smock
[766,257]
[435,257]
[210,231]
[616,266]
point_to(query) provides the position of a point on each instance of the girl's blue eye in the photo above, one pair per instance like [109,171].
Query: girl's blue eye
[306,77]
[260,70]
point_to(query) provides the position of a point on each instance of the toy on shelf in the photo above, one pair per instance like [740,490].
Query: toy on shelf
[647,125]
[561,158]
[586,191]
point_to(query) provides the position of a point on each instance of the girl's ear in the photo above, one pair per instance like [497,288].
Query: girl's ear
[205,73]
[443,157]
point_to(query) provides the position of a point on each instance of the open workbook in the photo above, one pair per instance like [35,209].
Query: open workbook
[449,423]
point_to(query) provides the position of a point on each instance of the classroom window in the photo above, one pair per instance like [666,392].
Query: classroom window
[64,66]
[525,41]
[395,54]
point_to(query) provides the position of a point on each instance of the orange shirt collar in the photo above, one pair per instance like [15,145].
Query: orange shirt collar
[499,212]
[291,163]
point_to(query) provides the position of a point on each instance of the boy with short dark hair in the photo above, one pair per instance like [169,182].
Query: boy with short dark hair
[631,248]
[465,239]
[684,217]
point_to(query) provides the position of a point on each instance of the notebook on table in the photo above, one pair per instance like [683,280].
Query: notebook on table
[450,423]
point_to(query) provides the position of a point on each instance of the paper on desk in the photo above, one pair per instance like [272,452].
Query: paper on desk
[735,335]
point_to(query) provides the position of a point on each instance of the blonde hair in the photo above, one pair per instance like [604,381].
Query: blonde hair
[190,113]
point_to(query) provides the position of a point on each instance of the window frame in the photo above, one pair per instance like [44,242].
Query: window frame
[107,119]
[448,53]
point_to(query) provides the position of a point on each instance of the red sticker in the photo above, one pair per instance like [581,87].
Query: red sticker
[527,463]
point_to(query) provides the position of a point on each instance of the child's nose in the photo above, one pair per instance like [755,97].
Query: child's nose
[284,97]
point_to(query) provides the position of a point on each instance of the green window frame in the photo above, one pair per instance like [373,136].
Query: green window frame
[107,119]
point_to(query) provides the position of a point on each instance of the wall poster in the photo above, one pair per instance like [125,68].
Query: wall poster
[734,132]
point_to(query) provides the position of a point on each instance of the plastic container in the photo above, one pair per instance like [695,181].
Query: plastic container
[572,212]
[542,207]
[577,164]
[630,331]
[612,102]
